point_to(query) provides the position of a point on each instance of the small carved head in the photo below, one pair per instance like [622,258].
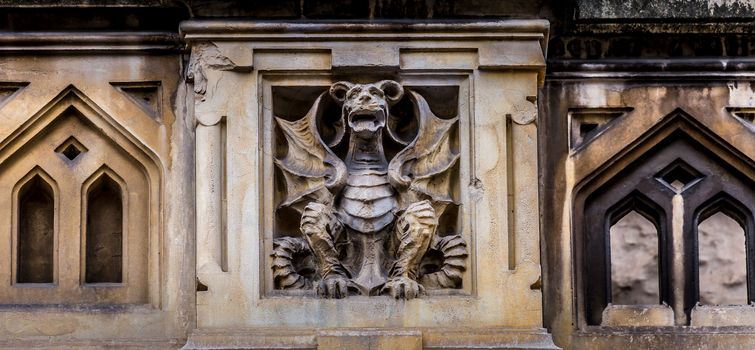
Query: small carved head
[365,106]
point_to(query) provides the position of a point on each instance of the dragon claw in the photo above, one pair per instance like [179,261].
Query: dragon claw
[333,287]
[403,288]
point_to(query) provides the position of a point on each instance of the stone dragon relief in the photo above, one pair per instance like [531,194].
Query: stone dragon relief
[369,221]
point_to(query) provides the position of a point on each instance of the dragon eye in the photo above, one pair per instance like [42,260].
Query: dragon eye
[377,92]
[353,93]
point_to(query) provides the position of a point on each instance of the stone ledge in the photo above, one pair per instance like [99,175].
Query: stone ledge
[47,343]
[723,315]
[359,30]
[371,338]
[665,338]
[89,42]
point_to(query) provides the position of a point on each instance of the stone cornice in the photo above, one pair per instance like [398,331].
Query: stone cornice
[233,30]
[670,68]
[80,42]
[499,45]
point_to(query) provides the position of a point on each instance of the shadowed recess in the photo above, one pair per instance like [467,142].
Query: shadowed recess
[104,236]
[35,232]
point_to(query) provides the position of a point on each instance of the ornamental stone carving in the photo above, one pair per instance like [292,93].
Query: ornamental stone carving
[326,197]
[368,220]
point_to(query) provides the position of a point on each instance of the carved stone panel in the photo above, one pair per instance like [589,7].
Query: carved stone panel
[371,183]
[95,193]
[76,209]
[669,155]
[379,216]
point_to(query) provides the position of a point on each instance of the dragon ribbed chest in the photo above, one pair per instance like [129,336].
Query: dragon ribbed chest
[368,202]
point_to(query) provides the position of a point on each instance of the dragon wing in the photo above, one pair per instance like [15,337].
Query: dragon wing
[312,172]
[423,169]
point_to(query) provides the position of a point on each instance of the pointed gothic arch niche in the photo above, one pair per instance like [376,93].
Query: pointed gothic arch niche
[634,257]
[606,284]
[676,167]
[104,228]
[35,203]
[112,167]
[725,233]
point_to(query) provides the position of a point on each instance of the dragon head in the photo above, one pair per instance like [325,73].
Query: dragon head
[365,106]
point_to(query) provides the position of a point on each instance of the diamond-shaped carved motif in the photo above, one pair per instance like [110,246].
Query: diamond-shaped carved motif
[679,176]
[71,149]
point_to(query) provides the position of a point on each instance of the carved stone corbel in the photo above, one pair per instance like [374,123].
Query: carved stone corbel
[525,111]
[208,117]
[206,56]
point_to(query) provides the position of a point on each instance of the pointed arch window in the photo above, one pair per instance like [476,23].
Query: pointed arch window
[35,250]
[104,231]
[635,253]
[680,185]
[609,246]
[726,252]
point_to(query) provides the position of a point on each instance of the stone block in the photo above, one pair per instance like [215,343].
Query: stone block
[373,57]
[638,316]
[369,340]
[722,316]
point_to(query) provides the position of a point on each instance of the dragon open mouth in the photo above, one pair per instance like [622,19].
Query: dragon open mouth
[358,118]
[367,120]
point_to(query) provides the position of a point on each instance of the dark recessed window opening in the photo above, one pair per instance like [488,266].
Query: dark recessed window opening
[722,261]
[673,226]
[104,232]
[634,261]
[36,232]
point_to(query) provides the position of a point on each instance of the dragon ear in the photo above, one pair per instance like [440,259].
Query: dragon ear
[338,90]
[393,91]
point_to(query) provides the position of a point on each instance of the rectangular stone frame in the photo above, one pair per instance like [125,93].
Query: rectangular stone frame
[641,99]
[498,66]
[51,74]
[269,80]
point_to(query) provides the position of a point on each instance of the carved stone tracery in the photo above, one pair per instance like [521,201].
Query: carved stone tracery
[368,221]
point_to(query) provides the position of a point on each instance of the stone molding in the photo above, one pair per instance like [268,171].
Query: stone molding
[509,44]
[88,42]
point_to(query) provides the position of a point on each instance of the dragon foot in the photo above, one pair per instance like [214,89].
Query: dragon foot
[403,288]
[333,287]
